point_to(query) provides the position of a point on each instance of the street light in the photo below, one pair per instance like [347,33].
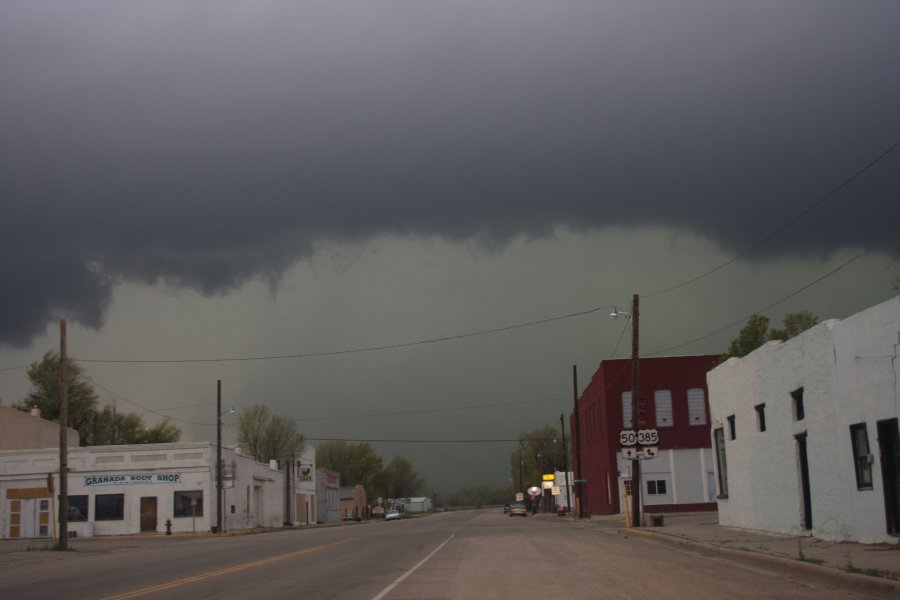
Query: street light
[635,406]
[219,415]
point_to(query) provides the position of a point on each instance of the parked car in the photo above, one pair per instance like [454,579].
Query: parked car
[518,508]
[392,515]
[505,508]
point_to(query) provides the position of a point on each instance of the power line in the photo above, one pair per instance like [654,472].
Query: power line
[784,226]
[350,351]
[777,302]
[144,408]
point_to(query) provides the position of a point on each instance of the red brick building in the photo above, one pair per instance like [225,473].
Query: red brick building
[674,400]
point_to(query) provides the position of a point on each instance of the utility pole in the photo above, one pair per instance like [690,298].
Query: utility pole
[219,456]
[579,482]
[637,416]
[562,425]
[63,440]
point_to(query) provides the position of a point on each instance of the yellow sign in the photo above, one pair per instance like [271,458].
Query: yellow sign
[550,477]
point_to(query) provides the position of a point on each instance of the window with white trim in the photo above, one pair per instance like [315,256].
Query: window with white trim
[656,487]
[696,406]
[663,402]
[626,411]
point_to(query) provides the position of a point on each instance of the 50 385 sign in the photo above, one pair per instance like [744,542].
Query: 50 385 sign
[641,437]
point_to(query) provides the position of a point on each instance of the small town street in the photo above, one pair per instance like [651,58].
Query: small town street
[452,556]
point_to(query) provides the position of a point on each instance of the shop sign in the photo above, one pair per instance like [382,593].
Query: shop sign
[131,479]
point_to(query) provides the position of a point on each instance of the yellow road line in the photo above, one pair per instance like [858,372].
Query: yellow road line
[220,572]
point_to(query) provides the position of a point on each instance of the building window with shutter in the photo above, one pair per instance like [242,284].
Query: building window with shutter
[626,410]
[663,402]
[721,463]
[696,406]
[862,459]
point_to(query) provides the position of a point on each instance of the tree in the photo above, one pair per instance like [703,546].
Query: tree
[794,324]
[756,332]
[357,463]
[266,436]
[81,400]
[540,451]
[95,427]
[398,480]
[129,428]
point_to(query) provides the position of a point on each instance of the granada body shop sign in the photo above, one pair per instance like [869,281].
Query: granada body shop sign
[131,479]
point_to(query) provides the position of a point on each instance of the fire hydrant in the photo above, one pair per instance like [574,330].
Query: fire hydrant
[168,526]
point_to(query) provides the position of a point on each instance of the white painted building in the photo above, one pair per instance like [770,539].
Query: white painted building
[116,490]
[303,511]
[805,432]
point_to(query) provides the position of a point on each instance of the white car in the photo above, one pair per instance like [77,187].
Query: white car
[391,515]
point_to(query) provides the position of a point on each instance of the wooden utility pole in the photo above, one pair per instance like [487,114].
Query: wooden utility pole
[219,457]
[579,482]
[637,418]
[62,394]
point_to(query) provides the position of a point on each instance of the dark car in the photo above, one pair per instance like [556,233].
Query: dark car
[518,508]
[505,508]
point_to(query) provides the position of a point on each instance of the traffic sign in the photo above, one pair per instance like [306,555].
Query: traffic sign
[630,453]
[628,437]
[650,451]
[555,490]
[647,437]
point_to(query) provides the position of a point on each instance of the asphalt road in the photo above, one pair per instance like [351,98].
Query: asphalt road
[448,556]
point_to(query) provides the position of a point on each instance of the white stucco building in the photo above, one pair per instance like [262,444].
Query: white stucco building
[116,490]
[805,432]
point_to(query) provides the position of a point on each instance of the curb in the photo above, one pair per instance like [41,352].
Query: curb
[887,588]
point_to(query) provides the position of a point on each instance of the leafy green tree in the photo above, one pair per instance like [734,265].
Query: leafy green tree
[266,436]
[81,400]
[129,428]
[757,332]
[540,451]
[357,463]
[95,427]
[398,480]
[794,324]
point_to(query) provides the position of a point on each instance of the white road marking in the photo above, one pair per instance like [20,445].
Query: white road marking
[400,579]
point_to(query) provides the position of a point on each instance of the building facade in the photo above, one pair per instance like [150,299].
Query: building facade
[328,496]
[805,431]
[117,490]
[354,502]
[673,398]
[303,476]
[20,430]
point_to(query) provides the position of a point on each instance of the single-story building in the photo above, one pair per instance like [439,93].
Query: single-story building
[116,490]
[20,430]
[354,503]
[328,496]
[805,431]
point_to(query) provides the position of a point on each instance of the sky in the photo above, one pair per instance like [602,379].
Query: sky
[405,222]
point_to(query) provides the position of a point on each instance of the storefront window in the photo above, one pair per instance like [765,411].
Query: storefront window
[109,507]
[189,504]
[78,508]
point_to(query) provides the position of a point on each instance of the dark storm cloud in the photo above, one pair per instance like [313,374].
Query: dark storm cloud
[204,143]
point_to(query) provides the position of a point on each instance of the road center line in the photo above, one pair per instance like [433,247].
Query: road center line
[220,572]
[400,579]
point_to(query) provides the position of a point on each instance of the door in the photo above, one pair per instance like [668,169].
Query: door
[804,480]
[889,447]
[148,514]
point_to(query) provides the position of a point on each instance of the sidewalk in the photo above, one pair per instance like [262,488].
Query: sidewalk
[869,568]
